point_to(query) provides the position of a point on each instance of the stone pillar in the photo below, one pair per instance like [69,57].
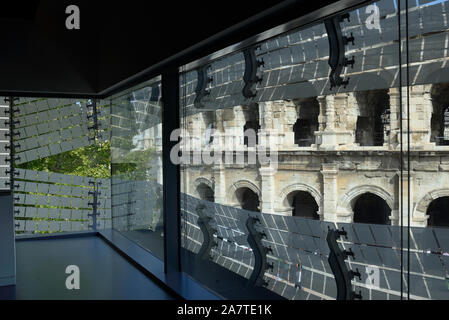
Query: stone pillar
[330,191]
[233,121]
[219,178]
[330,113]
[352,114]
[290,116]
[271,124]
[404,204]
[267,189]
[327,139]
[420,117]
[322,116]
[394,118]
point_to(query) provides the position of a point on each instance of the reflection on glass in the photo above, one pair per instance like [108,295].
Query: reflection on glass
[304,146]
[429,139]
[136,156]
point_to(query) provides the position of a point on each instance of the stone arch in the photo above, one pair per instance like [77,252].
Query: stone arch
[244,183]
[419,215]
[348,199]
[202,180]
[199,184]
[283,205]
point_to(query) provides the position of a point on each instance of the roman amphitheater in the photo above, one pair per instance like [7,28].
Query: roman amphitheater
[339,157]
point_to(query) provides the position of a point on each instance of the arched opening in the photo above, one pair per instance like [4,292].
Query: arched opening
[251,113]
[370,208]
[254,126]
[372,127]
[308,111]
[303,204]
[438,212]
[205,192]
[440,104]
[209,119]
[248,199]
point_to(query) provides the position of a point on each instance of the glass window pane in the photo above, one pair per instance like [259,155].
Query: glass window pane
[136,160]
[429,138]
[285,140]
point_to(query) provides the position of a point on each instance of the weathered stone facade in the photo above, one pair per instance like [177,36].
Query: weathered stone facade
[335,148]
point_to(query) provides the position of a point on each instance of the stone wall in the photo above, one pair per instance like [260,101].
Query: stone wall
[335,169]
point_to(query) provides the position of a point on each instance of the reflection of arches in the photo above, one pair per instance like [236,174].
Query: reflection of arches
[244,184]
[205,192]
[204,189]
[303,205]
[438,213]
[283,196]
[370,208]
[205,181]
[420,212]
[349,198]
[232,191]
[248,199]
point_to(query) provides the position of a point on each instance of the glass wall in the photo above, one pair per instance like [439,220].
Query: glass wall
[340,125]
[136,161]
[428,253]
[314,165]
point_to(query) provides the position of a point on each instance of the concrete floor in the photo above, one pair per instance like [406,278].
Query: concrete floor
[104,274]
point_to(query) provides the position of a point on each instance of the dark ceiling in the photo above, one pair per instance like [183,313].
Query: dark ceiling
[118,39]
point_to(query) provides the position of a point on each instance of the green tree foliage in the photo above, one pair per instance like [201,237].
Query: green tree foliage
[129,163]
[92,161]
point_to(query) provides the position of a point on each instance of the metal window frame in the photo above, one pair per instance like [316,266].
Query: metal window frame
[173,61]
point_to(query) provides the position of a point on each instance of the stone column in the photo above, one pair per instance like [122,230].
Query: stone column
[420,117]
[330,191]
[403,207]
[233,121]
[219,178]
[267,189]
[289,118]
[271,124]
[322,116]
[394,118]
[327,139]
